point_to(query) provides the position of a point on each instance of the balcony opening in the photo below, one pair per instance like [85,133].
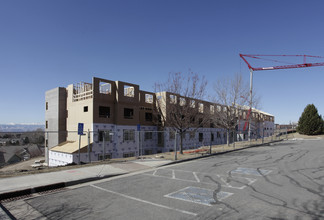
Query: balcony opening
[104,87]
[149,98]
[212,109]
[173,99]
[182,101]
[201,108]
[129,91]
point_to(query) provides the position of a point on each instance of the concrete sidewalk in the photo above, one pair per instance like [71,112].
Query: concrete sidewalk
[22,185]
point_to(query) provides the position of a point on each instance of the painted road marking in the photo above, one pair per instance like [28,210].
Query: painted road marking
[196,177]
[144,201]
[199,195]
[234,182]
[251,171]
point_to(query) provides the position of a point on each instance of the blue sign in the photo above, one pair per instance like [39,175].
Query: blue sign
[80,129]
[138,127]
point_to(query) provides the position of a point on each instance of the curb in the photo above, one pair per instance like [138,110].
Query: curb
[218,153]
[54,186]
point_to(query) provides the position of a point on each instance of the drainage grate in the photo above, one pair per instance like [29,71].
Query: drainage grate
[251,171]
[198,195]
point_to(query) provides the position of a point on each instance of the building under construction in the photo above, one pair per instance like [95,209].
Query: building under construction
[118,122]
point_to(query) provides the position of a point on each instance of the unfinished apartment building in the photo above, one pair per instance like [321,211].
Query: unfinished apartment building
[113,113]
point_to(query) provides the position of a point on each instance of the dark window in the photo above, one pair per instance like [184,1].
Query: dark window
[104,112]
[200,122]
[148,116]
[160,138]
[201,137]
[128,113]
[148,136]
[46,124]
[46,105]
[85,108]
[105,134]
[130,154]
[129,134]
[171,135]
[148,152]
[107,156]
[211,137]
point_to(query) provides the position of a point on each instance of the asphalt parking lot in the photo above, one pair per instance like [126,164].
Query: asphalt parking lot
[280,181]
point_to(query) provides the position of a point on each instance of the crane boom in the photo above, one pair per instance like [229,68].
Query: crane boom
[302,65]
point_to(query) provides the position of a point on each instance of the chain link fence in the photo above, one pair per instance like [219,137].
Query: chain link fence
[68,147]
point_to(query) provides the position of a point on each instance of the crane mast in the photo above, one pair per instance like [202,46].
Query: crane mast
[289,66]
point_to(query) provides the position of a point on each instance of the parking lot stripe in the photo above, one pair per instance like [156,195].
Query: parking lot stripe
[173,174]
[195,175]
[192,181]
[144,201]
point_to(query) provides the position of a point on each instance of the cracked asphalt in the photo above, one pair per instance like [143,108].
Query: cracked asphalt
[279,181]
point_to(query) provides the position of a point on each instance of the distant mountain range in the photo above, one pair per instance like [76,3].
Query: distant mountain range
[20,127]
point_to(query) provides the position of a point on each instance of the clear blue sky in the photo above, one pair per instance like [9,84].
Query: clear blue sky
[45,44]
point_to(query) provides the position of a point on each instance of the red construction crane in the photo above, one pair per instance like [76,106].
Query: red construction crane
[264,57]
[305,64]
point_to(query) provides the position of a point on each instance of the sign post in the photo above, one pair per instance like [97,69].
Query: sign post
[80,132]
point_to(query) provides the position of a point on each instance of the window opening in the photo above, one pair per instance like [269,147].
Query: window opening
[148,135]
[149,98]
[105,134]
[148,116]
[130,154]
[104,88]
[201,137]
[182,101]
[104,112]
[201,108]
[173,99]
[171,135]
[212,109]
[129,91]
[192,103]
[128,135]
[128,113]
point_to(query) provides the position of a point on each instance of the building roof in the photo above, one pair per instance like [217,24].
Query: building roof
[71,147]
[256,110]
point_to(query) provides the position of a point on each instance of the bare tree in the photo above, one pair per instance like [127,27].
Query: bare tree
[232,95]
[179,103]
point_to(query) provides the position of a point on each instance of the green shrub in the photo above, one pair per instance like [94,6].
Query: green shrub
[310,122]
